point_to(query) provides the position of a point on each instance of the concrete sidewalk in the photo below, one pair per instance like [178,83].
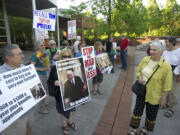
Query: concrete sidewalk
[86,116]
[89,115]
[164,126]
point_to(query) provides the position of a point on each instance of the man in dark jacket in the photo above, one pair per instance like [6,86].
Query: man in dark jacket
[74,88]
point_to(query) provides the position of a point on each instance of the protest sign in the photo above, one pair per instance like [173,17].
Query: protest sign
[41,34]
[73,83]
[21,89]
[89,61]
[72,29]
[103,63]
[44,20]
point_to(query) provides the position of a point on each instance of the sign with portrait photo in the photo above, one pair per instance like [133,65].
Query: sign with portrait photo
[89,61]
[73,82]
[103,63]
[20,90]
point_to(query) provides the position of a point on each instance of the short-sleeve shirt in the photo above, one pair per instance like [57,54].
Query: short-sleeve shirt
[5,68]
[39,64]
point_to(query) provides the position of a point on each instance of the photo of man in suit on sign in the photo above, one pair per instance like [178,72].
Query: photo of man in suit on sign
[74,88]
[37,91]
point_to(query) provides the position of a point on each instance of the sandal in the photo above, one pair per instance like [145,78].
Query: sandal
[133,132]
[94,92]
[143,132]
[169,113]
[164,107]
[73,126]
[99,92]
[65,130]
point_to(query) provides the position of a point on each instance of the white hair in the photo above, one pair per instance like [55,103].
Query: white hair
[52,42]
[78,38]
[161,46]
[39,43]
[70,72]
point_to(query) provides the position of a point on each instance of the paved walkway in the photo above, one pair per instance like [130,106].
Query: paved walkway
[108,114]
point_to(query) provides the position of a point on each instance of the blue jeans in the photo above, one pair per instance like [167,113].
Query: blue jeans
[124,58]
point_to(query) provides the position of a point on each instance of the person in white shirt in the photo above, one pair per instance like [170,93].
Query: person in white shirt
[172,56]
[115,47]
[76,43]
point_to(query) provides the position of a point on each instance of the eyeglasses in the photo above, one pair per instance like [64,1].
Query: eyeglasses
[66,56]
[42,45]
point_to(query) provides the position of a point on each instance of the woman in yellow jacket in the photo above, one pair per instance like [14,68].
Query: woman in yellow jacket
[156,90]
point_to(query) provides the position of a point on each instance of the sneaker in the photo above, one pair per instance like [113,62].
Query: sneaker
[43,111]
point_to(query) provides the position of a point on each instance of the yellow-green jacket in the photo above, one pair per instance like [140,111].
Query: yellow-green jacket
[160,82]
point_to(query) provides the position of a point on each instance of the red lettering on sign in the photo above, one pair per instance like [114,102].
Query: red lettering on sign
[89,62]
[87,51]
[91,73]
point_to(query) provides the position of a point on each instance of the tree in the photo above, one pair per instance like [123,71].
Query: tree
[171,16]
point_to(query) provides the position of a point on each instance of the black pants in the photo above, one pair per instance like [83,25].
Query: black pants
[111,57]
[151,114]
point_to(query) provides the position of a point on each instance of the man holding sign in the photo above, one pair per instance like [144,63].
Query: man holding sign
[13,59]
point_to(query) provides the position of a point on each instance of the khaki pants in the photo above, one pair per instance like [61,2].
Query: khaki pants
[173,94]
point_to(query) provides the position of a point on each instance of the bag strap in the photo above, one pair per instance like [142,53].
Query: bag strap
[152,74]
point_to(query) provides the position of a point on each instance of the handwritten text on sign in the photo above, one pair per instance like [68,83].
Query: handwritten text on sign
[44,20]
[21,89]
[89,61]
[72,29]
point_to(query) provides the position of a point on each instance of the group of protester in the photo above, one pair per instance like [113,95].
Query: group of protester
[163,66]
[160,73]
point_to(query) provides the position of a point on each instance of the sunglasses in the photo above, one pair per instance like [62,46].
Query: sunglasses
[66,56]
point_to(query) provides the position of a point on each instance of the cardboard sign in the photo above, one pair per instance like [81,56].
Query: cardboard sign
[103,63]
[89,61]
[20,90]
[73,83]
[72,29]
[44,20]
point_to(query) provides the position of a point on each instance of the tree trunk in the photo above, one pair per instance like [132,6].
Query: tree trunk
[109,19]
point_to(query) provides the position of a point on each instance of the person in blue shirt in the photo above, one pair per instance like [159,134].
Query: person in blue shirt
[79,54]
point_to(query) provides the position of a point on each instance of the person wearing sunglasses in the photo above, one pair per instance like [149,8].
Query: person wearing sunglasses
[52,51]
[53,81]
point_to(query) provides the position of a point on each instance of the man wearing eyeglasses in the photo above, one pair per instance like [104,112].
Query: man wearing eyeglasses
[13,57]
[74,88]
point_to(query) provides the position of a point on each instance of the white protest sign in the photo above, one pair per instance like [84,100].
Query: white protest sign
[41,34]
[72,29]
[20,90]
[44,20]
[103,63]
[89,61]
[73,83]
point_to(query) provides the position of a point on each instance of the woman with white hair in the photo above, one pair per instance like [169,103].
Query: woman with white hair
[158,75]
[40,60]
[172,55]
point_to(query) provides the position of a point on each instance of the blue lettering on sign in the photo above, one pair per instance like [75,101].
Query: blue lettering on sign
[44,26]
[52,16]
